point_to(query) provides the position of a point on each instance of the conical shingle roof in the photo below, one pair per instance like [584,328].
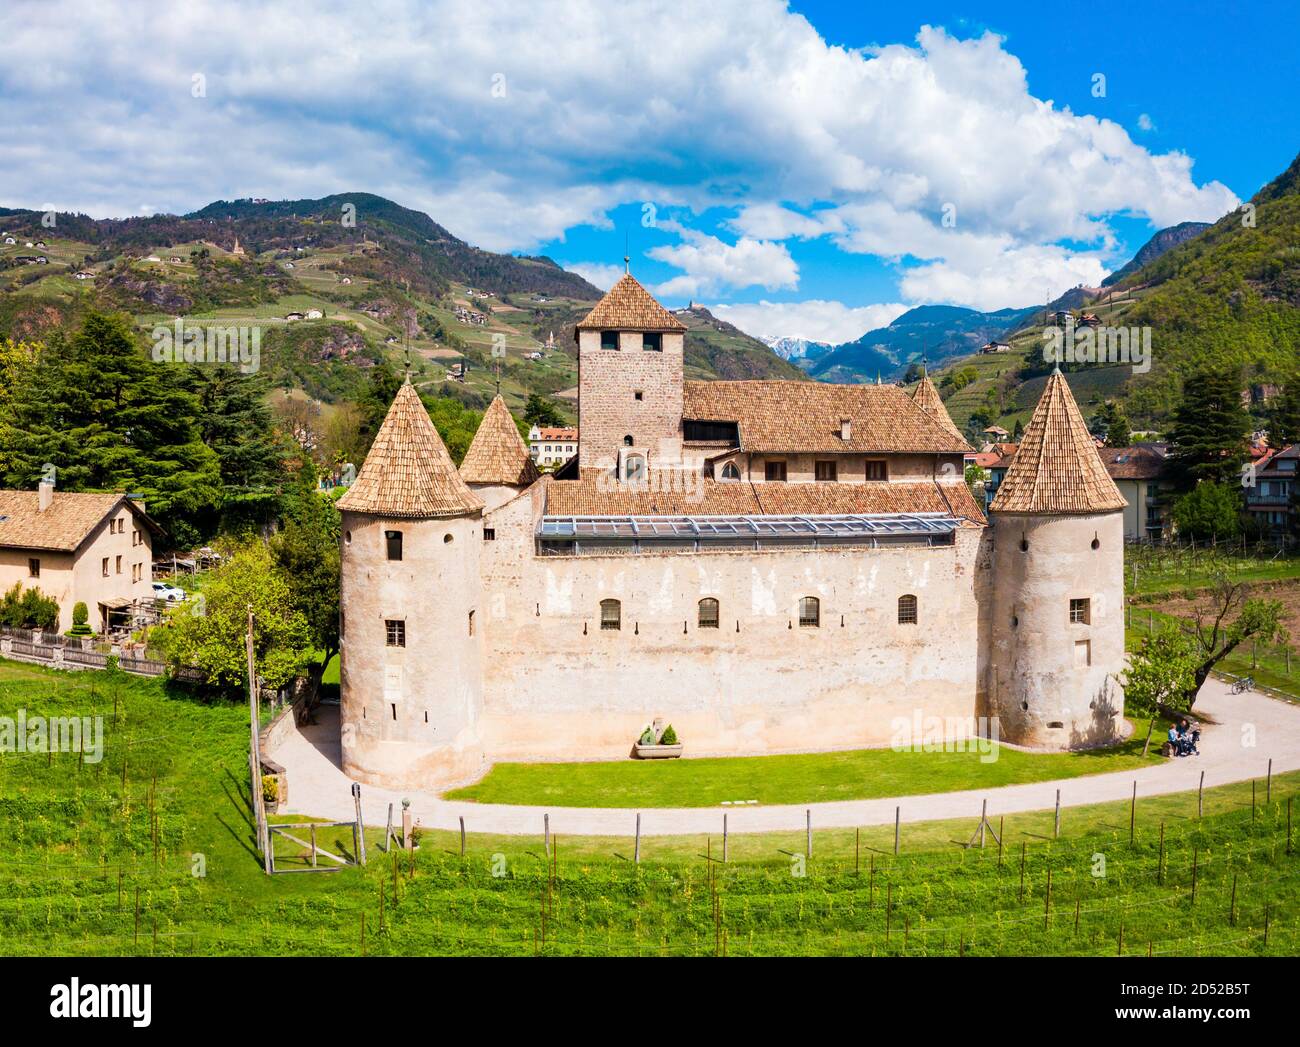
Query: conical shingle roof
[927,397]
[630,307]
[497,454]
[408,472]
[1057,468]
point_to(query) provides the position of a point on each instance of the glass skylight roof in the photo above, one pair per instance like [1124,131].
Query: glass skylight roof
[704,528]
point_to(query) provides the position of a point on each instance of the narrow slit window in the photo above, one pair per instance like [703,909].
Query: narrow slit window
[394,542]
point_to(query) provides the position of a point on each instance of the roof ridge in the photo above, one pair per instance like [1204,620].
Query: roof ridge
[1057,468]
[408,471]
[628,306]
[497,454]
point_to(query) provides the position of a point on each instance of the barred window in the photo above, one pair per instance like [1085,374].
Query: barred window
[907,610]
[611,614]
[708,613]
[810,612]
[1080,612]
[396,629]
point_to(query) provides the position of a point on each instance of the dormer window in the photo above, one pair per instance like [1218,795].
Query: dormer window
[730,472]
[609,339]
[652,342]
[846,429]
[634,468]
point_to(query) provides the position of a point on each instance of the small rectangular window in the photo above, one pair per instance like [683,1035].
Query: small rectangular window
[394,540]
[489,534]
[825,470]
[117,566]
[34,568]
[103,567]
[609,339]
[774,471]
[652,342]
[396,630]
[1080,612]
[877,469]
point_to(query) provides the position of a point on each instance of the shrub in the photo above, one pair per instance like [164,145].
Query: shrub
[28,609]
[669,737]
[80,620]
[647,737]
[270,788]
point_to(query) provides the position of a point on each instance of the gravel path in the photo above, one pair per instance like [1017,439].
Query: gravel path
[318,787]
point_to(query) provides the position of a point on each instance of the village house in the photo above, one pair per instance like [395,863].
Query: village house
[771,566]
[1142,476]
[95,549]
[552,446]
[1271,500]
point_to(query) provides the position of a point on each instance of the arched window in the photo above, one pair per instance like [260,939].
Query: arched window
[810,612]
[627,440]
[708,613]
[611,614]
[907,610]
[730,472]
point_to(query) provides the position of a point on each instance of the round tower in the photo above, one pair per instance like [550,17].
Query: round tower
[498,465]
[411,680]
[1057,610]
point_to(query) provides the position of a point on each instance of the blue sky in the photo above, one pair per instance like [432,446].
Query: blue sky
[809,170]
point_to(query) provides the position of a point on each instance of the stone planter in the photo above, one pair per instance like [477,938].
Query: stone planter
[656,752]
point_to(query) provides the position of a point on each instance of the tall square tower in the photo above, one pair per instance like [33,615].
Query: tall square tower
[630,379]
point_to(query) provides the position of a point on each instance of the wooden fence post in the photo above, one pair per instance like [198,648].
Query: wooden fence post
[896,820]
[636,853]
[1200,797]
[546,833]
[462,836]
[1056,827]
[808,831]
[724,837]
[360,829]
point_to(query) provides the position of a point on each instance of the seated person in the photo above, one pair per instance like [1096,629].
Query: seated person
[1174,747]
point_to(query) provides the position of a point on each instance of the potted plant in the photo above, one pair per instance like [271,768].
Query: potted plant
[657,745]
[271,793]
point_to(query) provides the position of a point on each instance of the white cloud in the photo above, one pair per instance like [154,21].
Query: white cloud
[816,319]
[711,264]
[1144,123]
[596,273]
[1013,277]
[732,103]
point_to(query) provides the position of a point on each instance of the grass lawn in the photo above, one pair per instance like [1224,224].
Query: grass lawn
[798,778]
[150,852]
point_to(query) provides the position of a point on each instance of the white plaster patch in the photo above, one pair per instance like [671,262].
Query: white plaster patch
[763,592]
[559,593]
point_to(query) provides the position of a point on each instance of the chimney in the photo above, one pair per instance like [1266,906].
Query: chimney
[46,490]
[846,428]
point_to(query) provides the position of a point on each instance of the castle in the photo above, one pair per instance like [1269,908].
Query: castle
[771,566]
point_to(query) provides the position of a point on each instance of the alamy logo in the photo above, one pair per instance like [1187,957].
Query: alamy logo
[60,734]
[213,344]
[1098,345]
[75,1000]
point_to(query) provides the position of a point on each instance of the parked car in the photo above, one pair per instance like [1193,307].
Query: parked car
[167,591]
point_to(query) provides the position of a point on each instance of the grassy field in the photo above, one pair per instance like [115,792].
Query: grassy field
[150,852]
[797,778]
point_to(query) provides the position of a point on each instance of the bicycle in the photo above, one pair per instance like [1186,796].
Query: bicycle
[1243,683]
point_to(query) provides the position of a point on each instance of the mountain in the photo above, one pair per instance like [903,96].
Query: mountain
[336,285]
[797,348]
[940,332]
[1163,241]
[1228,295]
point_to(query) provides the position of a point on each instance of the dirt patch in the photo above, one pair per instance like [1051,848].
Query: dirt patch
[1287,593]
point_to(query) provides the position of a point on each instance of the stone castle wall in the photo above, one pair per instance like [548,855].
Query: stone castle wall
[557,686]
